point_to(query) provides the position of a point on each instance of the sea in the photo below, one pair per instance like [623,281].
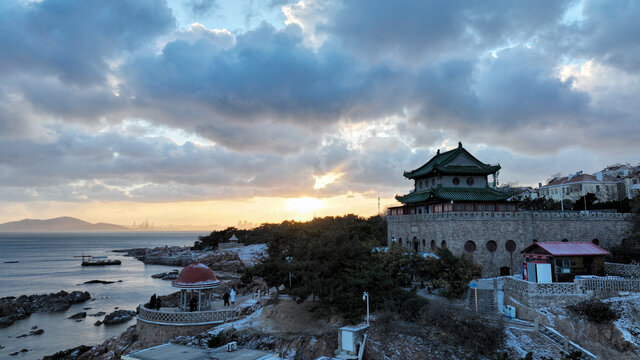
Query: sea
[48,263]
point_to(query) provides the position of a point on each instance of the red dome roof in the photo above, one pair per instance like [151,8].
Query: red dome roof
[195,276]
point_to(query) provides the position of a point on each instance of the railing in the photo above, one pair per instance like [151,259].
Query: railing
[526,287]
[178,318]
[579,286]
[624,270]
[543,215]
[599,284]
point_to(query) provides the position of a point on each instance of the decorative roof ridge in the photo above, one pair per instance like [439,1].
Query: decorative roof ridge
[441,161]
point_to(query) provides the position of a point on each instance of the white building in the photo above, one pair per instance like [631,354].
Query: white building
[573,187]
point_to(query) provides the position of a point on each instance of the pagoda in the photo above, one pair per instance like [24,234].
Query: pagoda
[453,181]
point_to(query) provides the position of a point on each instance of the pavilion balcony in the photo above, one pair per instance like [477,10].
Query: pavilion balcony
[177,317]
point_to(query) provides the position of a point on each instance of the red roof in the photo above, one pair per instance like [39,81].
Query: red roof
[576,248]
[195,276]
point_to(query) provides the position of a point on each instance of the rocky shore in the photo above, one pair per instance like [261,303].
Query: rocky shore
[12,308]
[228,260]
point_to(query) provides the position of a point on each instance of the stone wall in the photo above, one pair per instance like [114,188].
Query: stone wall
[624,270]
[489,233]
[156,334]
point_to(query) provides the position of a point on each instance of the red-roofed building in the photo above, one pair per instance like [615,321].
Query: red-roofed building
[568,259]
[575,186]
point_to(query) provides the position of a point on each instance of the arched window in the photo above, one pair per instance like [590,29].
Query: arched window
[470,246]
[596,241]
[424,243]
[443,244]
[535,240]
[510,246]
[433,244]
[400,241]
[492,246]
[505,271]
[565,240]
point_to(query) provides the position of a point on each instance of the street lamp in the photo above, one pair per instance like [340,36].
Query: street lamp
[365,296]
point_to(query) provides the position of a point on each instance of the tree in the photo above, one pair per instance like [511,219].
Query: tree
[629,249]
[589,199]
[541,203]
[449,273]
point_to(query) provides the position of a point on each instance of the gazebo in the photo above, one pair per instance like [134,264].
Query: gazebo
[196,280]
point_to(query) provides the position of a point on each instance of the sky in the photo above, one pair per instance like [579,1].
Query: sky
[215,111]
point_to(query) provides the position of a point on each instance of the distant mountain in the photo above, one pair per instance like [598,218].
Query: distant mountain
[65,223]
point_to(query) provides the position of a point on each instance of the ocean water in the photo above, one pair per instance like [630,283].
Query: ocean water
[46,264]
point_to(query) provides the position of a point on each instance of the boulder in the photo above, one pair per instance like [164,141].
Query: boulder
[119,317]
[80,315]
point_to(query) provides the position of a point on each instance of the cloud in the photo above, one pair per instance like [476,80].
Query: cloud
[266,111]
[75,40]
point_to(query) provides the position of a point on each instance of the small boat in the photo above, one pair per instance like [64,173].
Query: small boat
[88,260]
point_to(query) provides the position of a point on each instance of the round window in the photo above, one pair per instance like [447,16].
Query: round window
[492,246]
[469,181]
[456,181]
[510,246]
[470,246]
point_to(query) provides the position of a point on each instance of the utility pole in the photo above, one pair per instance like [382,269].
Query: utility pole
[378,205]
[365,296]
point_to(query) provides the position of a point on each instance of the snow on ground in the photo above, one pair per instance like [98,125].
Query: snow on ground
[629,322]
[250,254]
[520,342]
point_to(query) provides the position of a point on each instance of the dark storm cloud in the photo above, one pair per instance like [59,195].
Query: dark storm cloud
[428,31]
[484,72]
[610,33]
[74,40]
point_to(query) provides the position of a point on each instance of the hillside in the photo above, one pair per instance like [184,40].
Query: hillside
[57,224]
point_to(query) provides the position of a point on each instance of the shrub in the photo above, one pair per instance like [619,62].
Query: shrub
[595,310]
[464,328]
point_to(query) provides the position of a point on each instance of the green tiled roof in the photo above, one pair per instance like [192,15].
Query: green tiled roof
[440,164]
[455,194]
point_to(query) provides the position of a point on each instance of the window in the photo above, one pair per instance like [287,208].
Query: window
[424,243]
[443,244]
[510,246]
[400,241]
[470,181]
[433,244]
[596,241]
[470,246]
[565,240]
[492,246]
[502,207]
[456,181]
[597,187]
[563,265]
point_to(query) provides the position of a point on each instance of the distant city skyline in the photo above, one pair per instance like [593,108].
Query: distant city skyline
[211,112]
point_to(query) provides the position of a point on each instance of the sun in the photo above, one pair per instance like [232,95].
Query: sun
[304,205]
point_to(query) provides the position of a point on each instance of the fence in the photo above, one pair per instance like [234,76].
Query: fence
[600,284]
[579,286]
[171,317]
[530,288]
[624,270]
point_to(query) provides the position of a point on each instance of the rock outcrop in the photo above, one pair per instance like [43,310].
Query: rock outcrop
[12,308]
[118,317]
[111,349]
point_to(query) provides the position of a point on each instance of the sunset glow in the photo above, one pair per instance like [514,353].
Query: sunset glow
[215,112]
